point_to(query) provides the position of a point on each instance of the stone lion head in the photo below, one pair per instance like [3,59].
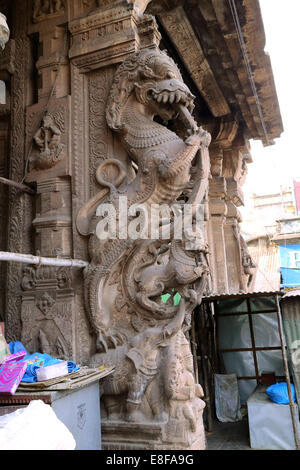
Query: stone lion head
[156,82]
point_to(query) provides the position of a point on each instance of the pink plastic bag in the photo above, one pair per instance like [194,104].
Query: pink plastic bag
[11,375]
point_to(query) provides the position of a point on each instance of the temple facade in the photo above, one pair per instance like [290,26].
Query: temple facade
[154,102]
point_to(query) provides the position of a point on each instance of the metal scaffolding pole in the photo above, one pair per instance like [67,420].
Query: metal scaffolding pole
[42,261]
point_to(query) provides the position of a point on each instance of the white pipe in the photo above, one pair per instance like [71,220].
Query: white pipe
[30,259]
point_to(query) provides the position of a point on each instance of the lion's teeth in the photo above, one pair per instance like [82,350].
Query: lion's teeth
[172,98]
[165,98]
[178,96]
[159,98]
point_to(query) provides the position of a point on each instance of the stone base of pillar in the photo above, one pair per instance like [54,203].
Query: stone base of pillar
[121,435]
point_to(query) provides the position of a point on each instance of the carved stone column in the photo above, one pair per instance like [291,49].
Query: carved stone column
[19,204]
[48,305]
[151,401]
[229,155]
[217,211]
[102,35]
[235,170]
[7,69]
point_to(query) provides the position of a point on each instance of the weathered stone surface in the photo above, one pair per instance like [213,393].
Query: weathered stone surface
[134,330]
[84,79]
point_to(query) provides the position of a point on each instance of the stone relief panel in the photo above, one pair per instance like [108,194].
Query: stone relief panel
[47,140]
[45,9]
[103,144]
[47,311]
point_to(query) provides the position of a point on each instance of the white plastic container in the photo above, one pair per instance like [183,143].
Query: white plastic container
[53,371]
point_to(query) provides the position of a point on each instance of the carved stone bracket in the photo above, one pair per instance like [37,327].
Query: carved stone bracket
[183,37]
[107,36]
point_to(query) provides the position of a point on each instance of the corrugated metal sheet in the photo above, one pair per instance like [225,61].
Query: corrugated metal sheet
[233,295]
[292,293]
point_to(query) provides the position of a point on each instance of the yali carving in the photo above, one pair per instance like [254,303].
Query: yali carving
[127,280]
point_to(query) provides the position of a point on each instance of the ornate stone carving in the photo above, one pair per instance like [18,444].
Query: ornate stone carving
[47,310]
[134,328]
[19,205]
[45,302]
[248,266]
[181,33]
[48,141]
[43,9]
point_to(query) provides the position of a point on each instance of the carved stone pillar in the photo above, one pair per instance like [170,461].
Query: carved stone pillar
[19,204]
[229,155]
[47,310]
[234,170]
[7,69]
[53,219]
[102,35]
[233,250]
[151,401]
[218,211]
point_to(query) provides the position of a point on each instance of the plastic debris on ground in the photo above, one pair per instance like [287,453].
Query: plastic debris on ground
[35,427]
[278,393]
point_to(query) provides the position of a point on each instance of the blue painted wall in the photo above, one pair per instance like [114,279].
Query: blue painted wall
[290,265]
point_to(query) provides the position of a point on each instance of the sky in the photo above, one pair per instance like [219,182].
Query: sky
[276,165]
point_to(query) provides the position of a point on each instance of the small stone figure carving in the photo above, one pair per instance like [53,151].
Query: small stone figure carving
[249,267]
[48,141]
[136,368]
[185,396]
[45,302]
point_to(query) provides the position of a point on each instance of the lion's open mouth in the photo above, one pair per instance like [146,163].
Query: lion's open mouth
[173,104]
[174,97]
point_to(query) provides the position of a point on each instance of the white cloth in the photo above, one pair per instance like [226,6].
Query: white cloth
[35,427]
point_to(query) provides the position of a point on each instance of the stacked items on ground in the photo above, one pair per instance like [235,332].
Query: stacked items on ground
[17,365]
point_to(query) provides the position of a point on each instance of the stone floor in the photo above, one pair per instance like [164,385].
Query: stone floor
[229,436]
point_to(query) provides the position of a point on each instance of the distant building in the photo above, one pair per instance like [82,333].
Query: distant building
[266,209]
[271,229]
[297,193]
[288,240]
